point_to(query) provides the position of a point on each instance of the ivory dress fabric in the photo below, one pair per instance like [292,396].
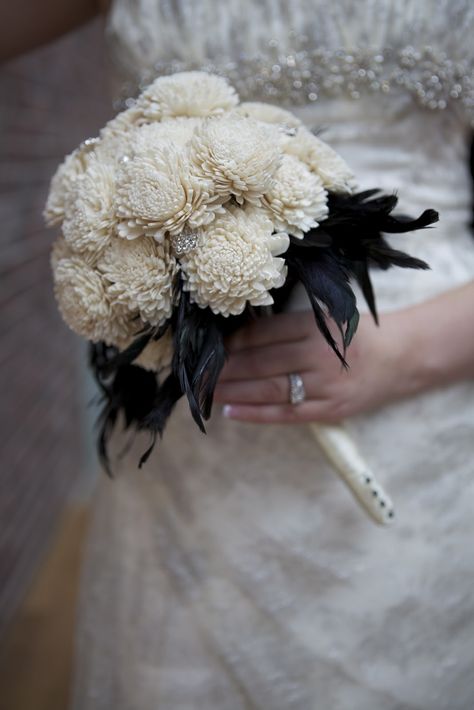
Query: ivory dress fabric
[235,571]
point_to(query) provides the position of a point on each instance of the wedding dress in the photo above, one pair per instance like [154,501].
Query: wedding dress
[235,571]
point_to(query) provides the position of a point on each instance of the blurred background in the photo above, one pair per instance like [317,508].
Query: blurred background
[51,99]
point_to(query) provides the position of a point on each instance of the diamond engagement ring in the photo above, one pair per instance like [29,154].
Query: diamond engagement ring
[297,392]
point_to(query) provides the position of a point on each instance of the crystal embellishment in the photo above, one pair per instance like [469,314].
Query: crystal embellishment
[301,74]
[184,243]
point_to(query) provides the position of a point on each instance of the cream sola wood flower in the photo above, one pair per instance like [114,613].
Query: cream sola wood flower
[297,200]
[158,192]
[177,133]
[89,212]
[234,262]
[83,302]
[183,95]
[62,185]
[267,113]
[321,159]
[118,146]
[238,154]
[188,94]
[124,122]
[138,277]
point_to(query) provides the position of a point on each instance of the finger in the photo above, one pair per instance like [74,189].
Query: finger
[258,363]
[309,411]
[278,328]
[271,390]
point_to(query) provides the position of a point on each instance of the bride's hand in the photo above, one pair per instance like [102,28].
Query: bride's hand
[254,384]
[415,349]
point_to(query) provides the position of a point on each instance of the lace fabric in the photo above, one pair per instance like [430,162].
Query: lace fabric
[235,571]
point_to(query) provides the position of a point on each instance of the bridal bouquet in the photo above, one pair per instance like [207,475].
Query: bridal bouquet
[192,213]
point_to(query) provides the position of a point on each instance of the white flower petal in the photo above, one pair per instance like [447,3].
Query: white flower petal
[89,215]
[321,159]
[62,184]
[187,94]
[238,154]
[84,305]
[176,133]
[158,192]
[124,122]
[267,113]
[297,200]
[233,264]
[279,243]
[138,276]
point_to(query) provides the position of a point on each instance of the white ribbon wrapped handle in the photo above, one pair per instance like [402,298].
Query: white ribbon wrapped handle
[344,455]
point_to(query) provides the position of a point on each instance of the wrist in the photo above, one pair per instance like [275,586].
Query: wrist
[417,353]
[407,354]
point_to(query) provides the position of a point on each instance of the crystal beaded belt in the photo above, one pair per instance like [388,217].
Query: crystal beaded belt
[300,76]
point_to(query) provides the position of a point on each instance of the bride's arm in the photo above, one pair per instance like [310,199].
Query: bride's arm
[26,24]
[416,349]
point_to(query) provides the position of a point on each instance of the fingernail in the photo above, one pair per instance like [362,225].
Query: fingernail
[227,410]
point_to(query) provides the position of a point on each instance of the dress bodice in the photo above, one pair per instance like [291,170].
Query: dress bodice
[293,53]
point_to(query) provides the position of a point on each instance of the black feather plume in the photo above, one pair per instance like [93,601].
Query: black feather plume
[326,281]
[166,397]
[343,246]
[129,390]
[199,355]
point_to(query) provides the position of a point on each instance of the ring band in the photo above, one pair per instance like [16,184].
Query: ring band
[297,391]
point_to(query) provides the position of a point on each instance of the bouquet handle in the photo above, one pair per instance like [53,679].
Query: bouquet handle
[342,452]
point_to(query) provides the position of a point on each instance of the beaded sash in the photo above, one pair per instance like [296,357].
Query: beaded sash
[300,77]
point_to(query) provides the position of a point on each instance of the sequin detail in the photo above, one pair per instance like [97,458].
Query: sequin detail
[301,75]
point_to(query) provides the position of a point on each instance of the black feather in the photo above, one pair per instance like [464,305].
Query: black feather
[155,420]
[199,355]
[355,228]
[384,256]
[360,271]
[326,281]
[129,390]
